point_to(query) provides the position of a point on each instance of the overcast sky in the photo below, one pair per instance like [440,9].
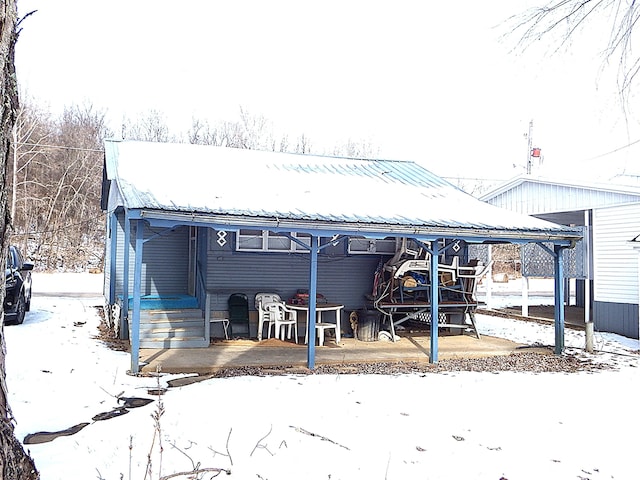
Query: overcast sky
[426,81]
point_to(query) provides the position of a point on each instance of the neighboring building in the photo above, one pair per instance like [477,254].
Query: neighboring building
[610,216]
[190,225]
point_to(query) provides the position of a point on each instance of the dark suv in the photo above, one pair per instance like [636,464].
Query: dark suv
[17,298]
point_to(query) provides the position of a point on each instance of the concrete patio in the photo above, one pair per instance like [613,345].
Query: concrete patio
[411,347]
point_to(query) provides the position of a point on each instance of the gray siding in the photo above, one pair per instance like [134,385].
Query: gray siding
[341,278]
[620,318]
[165,260]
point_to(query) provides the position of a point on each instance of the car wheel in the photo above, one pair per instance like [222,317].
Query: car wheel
[20,310]
[27,305]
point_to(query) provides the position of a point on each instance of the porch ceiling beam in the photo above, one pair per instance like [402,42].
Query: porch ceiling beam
[373,230]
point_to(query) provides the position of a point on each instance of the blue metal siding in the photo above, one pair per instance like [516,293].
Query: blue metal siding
[620,318]
[165,260]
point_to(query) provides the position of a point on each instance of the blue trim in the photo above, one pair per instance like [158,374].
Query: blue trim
[166,302]
[272,224]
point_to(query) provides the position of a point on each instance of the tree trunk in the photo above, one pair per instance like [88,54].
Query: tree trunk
[14,462]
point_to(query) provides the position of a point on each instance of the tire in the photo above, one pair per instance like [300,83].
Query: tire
[21,310]
[27,305]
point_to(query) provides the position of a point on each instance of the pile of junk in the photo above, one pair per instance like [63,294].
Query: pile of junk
[402,293]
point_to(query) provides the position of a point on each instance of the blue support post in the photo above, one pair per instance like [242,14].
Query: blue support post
[125,274]
[137,286]
[559,298]
[433,350]
[311,313]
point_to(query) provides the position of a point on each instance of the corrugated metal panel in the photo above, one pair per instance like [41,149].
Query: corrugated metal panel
[165,261]
[620,318]
[615,262]
[533,196]
[237,182]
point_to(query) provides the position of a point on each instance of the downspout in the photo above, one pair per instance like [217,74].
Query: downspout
[137,283]
[311,313]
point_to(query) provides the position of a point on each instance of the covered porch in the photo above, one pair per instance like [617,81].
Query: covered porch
[413,346]
[174,232]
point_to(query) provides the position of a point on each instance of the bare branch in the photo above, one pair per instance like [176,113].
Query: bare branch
[260,445]
[568,17]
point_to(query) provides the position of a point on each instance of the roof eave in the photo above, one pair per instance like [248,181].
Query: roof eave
[377,230]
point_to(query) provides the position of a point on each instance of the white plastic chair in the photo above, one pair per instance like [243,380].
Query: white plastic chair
[320,329]
[263,316]
[263,299]
[280,316]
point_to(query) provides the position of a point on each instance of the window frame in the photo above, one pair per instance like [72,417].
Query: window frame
[267,241]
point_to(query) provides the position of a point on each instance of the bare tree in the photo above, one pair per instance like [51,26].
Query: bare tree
[357,149]
[567,17]
[57,175]
[151,127]
[14,462]
[30,135]
[249,131]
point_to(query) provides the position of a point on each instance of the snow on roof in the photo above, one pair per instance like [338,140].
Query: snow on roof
[240,182]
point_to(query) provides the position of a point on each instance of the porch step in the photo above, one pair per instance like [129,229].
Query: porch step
[197,323]
[184,342]
[164,315]
[172,332]
[182,328]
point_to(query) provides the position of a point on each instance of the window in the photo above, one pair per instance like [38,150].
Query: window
[265,241]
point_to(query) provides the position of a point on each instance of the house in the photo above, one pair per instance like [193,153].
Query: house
[190,225]
[607,276]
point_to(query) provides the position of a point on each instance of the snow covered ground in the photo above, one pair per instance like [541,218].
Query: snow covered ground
[457,425]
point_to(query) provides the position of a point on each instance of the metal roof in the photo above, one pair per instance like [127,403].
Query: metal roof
[242,187]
